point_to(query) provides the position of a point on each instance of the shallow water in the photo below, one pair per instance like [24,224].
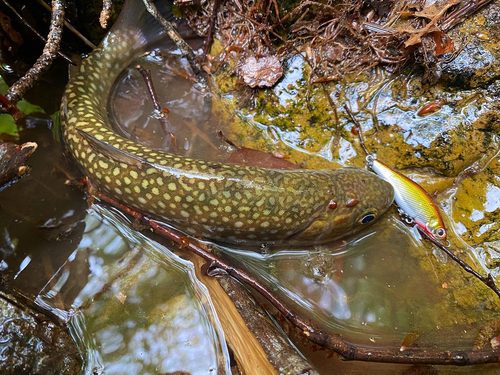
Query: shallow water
[140,308]
[131,303]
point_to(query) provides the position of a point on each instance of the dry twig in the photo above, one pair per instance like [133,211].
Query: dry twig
[105,13]
[146,74]
[185,49]
[34,31]
[18,89]
[70,27]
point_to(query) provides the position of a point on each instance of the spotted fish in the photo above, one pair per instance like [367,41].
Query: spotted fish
[222,202]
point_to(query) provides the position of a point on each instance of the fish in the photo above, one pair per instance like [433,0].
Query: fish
[416,205]
[220,202]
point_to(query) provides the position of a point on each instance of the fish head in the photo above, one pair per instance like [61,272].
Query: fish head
[365,197]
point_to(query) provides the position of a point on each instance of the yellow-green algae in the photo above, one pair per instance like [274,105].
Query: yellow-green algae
[295,119]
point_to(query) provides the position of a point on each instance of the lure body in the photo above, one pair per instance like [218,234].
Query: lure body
[415,203]
[223,202]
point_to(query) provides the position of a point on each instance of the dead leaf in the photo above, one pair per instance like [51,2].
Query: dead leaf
[444,44]
[417,34]
[264,72]
[436,9]
[409,340]
[433,12]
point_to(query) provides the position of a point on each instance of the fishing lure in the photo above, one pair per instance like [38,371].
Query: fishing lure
[416,206]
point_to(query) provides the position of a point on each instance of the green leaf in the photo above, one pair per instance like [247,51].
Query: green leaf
[8,125]
[56,124]
[28,108]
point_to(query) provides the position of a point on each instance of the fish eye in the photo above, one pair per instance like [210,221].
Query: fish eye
[440,232]
[366,218]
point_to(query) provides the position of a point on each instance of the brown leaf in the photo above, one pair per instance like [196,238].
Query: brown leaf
[417,34]
[264,72]
[433,12]
[444,44]
[409,340]
[436,10]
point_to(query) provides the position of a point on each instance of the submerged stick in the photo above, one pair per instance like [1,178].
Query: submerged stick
[43,63]
[210,32]
[185,49]
[146,74]
[332,342]
[488,280]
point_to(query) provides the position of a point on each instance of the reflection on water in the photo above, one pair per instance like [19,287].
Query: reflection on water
[375,289]
[139,309]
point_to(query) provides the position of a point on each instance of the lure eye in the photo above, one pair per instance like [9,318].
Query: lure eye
[366,218]
[440,232]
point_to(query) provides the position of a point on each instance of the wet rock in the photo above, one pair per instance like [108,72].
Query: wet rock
[476,208]
[30,343]
[478,63]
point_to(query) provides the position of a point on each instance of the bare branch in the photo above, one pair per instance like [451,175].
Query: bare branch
[69,27]
[18,89]
[34,31]
[105,13]
[185,49]
[10,108]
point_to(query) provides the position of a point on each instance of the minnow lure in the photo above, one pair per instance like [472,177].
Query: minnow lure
[222,202]
[415,204]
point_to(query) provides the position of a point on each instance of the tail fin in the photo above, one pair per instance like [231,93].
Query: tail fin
[135,18]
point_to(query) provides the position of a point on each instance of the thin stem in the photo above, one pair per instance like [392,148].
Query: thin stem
[146,74]
[185,49]
[70,27]
[486,280]
[19,88]
[34,31]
